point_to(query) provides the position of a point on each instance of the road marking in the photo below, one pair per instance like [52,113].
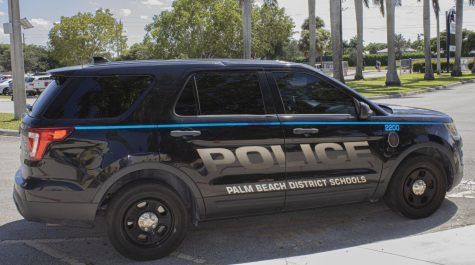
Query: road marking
[54,253]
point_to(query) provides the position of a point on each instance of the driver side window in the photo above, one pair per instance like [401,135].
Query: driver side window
[307,94]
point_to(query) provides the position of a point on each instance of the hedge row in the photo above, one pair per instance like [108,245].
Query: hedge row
[370,59]
[420,66]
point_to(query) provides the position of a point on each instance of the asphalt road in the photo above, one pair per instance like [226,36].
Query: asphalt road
[6,104]
[252,238]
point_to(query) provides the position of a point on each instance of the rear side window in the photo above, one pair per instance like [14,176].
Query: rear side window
[221,93]
[97,97]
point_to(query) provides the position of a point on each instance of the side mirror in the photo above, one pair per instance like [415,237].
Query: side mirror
[364,111]
[29,108]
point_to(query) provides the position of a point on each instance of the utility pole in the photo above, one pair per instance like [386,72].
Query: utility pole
[18,66]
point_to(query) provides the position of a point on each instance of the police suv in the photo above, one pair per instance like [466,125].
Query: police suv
[160,145]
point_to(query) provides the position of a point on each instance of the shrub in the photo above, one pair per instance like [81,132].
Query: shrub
[420,66]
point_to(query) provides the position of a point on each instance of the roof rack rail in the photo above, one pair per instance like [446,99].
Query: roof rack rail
[99,60]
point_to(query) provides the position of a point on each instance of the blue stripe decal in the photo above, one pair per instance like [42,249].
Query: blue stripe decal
[242,124]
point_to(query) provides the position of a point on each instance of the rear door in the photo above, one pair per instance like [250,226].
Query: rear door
[224,130]
[331,155]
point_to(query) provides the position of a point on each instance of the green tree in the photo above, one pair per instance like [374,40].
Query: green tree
[322,38]
[76,39]
[373,47]
[213,29]
[37,58]
[272,30]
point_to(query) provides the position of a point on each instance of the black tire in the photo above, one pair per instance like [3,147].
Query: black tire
[400,195]
[5,91]
[132,241]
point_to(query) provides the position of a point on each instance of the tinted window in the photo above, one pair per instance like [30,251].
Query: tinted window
[229,93]
[307,94]
[97,97]
[186,105]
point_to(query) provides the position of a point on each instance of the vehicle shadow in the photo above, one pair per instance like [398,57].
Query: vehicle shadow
[248,239]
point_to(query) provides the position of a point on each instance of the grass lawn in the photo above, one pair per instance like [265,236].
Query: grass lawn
[409,83]
[3,96]
[7,122]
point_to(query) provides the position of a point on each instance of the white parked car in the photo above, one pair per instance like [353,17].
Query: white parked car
[5,87]
[41,83]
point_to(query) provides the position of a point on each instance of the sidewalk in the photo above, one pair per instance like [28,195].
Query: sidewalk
[455,246]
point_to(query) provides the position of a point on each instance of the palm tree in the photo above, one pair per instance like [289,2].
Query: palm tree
[335,17]
[429,72]
[359,37]
[457,71]
[392,79]
[246,6]
[436,7]
[312,32]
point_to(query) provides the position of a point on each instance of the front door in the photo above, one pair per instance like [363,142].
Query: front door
[331,156]
[225,127]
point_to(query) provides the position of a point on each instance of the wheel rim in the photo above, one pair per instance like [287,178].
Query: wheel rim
[148,222]
[420,188]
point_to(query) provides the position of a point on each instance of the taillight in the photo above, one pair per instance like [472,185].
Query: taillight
[46,84]
[40,138]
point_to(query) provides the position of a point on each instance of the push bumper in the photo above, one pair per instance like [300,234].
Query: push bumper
[77,214]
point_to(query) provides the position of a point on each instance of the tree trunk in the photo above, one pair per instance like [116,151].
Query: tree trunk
[246,27]
[359,45]
[312,33]
[429,72]
[392,79]
[335,17]
[439,66]
[473,66]
[457,71]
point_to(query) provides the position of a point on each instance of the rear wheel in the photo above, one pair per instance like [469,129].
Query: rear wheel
[5,91]
[417,188]
[147,221]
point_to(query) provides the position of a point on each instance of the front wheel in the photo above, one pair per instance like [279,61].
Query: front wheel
[147,221]
[417,188]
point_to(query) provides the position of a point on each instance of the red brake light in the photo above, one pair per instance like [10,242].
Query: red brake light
[40,138]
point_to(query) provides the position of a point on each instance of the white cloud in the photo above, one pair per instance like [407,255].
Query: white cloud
[151,3]
[41,23]
[92,3]
[125,12]
[1,12]
[144,17]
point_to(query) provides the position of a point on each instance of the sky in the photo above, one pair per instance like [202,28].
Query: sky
[135,14]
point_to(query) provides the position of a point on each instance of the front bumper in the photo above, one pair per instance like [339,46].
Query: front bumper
[457,165]
[80,214]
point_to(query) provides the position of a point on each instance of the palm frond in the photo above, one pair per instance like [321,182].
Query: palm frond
[380,3]
[366,3]
[436,6]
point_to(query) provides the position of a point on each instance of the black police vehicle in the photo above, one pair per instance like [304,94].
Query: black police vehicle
[160,145]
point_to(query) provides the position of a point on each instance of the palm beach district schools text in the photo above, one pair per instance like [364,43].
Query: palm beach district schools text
[294,185]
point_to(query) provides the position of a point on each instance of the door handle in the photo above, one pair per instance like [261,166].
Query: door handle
[305,131]
[185,133]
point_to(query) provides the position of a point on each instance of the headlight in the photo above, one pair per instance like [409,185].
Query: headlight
[453,130]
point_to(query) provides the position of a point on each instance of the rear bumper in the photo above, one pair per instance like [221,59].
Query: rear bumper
[80,214]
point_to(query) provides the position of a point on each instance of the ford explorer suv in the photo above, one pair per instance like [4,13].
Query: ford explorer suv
[158,146]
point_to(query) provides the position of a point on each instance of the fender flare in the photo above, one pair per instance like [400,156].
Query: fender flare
[106,185]
[387,173]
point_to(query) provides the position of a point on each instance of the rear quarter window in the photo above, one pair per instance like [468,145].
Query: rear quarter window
[94,97]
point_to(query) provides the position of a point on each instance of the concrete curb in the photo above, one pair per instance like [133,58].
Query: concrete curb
[4,132]
[430,89]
